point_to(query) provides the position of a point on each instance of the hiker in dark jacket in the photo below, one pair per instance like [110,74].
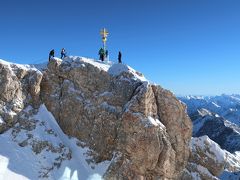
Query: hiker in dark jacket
[51,54]
[63,53]
[107,54]
[119,57]
[101,54]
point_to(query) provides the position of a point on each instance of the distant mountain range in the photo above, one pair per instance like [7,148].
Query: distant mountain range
[217,117]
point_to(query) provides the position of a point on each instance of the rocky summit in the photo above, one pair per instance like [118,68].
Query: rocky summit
[120,116]
[80,118]
[139,130]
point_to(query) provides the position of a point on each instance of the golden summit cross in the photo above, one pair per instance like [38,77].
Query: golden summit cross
[104,34]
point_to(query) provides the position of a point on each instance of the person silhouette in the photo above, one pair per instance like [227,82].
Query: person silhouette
[101,54]
[119,57]
[63,53]
[51,54]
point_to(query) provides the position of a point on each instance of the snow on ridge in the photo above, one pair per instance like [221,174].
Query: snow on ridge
[79,155]
[215,104]
[17,155]
[193,97]
[97,63]
[21,66]
[117,69]
[13,66]
[113,69]
[212,149]
[234,97]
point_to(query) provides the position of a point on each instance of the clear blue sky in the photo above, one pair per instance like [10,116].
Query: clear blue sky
[187,46]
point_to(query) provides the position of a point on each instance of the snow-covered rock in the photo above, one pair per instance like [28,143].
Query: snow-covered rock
[122,127]
[208,161]
[116,112]
[207,153]
[36,148]
[19,86]
[118,69]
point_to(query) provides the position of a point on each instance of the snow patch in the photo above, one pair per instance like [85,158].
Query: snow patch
[117,69]
[1,120]
[16,159]
[150,121]
[79,155]
[216,105]
[208,146]
[12,66]
[95,177]
[76,61]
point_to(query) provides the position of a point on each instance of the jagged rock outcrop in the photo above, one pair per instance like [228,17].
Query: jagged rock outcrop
[208,161]
[19,86]
[208,154]
[142,127]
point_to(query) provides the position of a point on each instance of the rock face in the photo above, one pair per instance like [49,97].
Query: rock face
[19,87]
[208,161]
[141,127]
[208,154]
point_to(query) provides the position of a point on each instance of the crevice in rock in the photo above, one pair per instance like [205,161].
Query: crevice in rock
[61,80]
[157,103]
[136,90]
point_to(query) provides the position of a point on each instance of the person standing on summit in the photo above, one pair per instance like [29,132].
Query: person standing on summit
[63,53]
[106,54]
[120,57]
[101,54]
[51,54]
